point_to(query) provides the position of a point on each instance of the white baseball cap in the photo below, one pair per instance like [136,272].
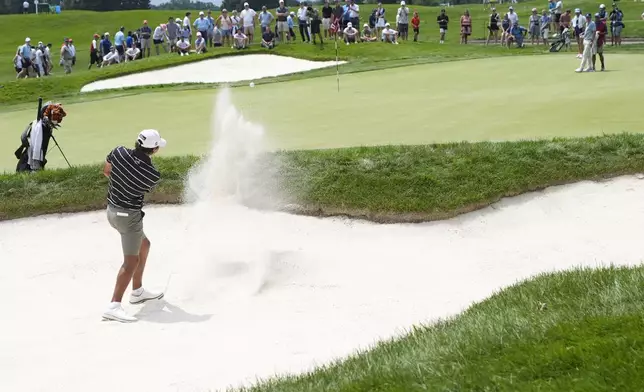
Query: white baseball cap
[150,138]
[577,10]
[349,24]
[201,13]
[402,2]
[27,39]
[602,6]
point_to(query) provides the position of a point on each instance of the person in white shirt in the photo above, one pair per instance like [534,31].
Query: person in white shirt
[350,34]
[159,37]
[25,7]
[303,22]
[240,40]
[186,24]
[132,53]
[183,47]
[579,26]
[512,17]
[17,64]
[248,21]
[354,13]
[200,44]
[39,61]
[112,57]
[93,52]
[403,20]
[389,35]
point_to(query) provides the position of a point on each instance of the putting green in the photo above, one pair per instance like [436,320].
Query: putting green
[490,99]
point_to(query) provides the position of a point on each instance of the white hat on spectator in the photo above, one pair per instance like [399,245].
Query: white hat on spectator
[402,2]
[534,10]
[245,4]
[349,24]
[387,24]
[198,33]
[602,6]
[577,11]
[27,39]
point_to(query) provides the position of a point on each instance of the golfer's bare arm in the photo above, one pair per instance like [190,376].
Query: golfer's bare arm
[107,169]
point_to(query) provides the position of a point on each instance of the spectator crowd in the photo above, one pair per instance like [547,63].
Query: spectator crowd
[340,21]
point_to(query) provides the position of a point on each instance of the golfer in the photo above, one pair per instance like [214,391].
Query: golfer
[589,40]
[131,174]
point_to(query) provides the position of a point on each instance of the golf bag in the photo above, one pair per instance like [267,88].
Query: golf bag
[35,138]
[561,40]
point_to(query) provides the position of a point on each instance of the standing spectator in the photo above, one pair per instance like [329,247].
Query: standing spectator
[512,16]
[268,38]
[403,21]
[17,64]
[415,24]
[217,37]
[354,13]
[282,24]
[443,21]
[327,15]
[380,19]
[466,26]
[234,19]
[579,23]
[25,7]
[598,47]
[49,64]
[224,24]
[39,60]
[316,22]
[129,40]
[589,39]
[119,42]
[350,34]
[72,49]
[616,26]
[558,10]
[211,28]
[146,39]
[172,29]
[265,19]
[159,38]
[545,27]
[302,18]
[602,12]
[291,27]
[493,27]
[25,55]
[551,13]
[202,25]
[535,26]
[106,45]
[564,21]
[505,29]
[187,26]
[66,56]
[248,21]
[93,52]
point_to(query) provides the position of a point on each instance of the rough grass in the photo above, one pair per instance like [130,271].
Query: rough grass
[580,330]
[383,184]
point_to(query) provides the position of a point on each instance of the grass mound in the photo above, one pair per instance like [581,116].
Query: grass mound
[384,184]
[580,330]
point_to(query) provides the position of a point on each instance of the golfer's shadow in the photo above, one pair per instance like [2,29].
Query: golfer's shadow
[162,311]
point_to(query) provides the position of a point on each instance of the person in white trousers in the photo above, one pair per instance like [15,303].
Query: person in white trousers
[589,40]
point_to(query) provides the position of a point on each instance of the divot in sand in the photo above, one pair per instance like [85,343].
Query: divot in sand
[227,69]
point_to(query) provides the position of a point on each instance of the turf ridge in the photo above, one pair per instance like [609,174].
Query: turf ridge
[387,184]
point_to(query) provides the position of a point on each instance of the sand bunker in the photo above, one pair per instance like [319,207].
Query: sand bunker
[220,70]
[329,287]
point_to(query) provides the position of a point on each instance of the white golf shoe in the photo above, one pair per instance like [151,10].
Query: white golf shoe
[115,312]
[142,295]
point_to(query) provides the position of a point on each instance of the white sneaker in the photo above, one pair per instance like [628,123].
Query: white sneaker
[182,54]
[579,70]
[144,295]
[116,312]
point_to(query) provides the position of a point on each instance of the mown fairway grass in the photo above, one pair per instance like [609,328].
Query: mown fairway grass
[580,330]
[80,25]
[434,103]
[384,184]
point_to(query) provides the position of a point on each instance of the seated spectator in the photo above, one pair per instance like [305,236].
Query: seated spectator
[516,34]
[112,57]
[367,34]
[200,44]
[132,53]
[183,47]
[268,38]
[217,37]
[240,39]
[350,34]
[389,35]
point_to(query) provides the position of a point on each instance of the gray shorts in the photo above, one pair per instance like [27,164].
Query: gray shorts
[130,225]
[146,43]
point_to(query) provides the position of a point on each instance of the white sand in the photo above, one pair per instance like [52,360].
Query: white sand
[219,70]
[330,287]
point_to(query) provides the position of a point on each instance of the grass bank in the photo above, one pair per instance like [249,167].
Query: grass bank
[383,184]
[580,330]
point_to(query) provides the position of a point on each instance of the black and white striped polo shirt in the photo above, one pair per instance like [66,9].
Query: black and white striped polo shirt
[132,176]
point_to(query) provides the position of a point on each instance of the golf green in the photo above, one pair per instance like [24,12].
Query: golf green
[510,98]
